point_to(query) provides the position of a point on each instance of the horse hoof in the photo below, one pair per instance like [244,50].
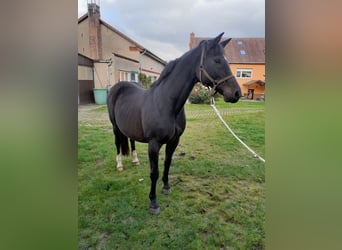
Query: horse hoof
[155,210]
[120,169]
[166,191]
[136,163]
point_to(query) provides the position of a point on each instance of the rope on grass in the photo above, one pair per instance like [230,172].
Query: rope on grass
[212,104]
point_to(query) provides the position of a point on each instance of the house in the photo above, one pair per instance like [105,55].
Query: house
[246,57]
[106,55]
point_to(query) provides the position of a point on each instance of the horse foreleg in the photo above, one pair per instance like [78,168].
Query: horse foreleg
[170,149]
[153,154]
[135,160]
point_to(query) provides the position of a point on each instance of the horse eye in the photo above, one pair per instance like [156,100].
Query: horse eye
[217,60]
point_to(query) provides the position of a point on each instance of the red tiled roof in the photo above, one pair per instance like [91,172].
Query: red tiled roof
[254,49]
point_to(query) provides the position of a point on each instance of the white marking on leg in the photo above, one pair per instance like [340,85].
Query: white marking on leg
[135,158]
[119,165]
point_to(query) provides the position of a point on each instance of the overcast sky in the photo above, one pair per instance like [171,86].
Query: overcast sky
[164,26]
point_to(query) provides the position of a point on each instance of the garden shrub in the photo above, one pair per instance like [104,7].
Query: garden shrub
[199,95]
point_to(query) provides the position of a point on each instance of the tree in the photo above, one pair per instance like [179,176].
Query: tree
[145,80]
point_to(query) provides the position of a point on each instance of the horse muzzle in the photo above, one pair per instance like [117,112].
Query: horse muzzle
[233,98]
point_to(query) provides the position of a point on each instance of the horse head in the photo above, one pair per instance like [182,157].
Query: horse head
[214,70]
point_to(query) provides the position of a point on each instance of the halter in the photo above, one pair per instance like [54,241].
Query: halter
[215,83]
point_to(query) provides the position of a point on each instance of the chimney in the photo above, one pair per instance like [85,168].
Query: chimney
[95,41]
[192,37]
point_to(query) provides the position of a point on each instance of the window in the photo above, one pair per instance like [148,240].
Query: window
[239,42]
[134,76]
[130,76]
[244,73]
[243,52]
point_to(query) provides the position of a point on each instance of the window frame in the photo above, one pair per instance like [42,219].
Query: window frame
[129,76]
[241,72]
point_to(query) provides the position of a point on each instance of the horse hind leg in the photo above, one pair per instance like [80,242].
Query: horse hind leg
[118,143]
[119,165]
[135,160]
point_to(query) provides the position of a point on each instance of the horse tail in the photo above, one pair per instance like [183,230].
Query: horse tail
[110,106]
[121,140]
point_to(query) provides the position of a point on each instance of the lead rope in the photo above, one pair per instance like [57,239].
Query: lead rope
[212,104]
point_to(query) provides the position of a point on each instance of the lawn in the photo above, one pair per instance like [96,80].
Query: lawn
[218,187]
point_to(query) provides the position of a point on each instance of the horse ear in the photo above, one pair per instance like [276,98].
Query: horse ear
[216,40]
[225,42]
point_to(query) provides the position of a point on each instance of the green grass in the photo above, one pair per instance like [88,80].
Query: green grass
[218,187]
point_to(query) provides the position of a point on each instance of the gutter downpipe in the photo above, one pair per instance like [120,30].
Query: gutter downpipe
[140,54]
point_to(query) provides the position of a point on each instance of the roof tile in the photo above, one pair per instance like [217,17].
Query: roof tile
[254,48]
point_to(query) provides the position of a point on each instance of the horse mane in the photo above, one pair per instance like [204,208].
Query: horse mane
[166,71]
[171,65]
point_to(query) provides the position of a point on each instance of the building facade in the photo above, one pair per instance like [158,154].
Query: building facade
[115,56]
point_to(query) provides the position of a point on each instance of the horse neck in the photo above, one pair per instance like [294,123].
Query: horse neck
[178,85]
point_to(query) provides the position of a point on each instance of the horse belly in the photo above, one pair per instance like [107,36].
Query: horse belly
[128,120]
[134,132]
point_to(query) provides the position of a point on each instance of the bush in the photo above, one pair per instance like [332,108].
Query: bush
[145,80]
[199,95]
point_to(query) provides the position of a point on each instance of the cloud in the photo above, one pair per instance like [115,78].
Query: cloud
[164,27]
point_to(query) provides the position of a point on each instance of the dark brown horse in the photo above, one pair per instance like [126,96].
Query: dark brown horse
[156,116]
